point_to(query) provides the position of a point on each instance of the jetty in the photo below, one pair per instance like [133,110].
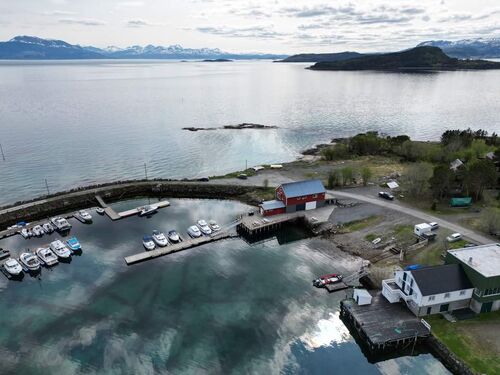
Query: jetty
[174,248]
[113,215]
[382,325]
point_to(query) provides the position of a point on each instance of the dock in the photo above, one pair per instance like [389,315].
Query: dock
[336,287]
[113,215]
[173,248]
[383,325]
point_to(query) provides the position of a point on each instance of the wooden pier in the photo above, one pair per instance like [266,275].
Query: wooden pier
[336,287]
[113,215]
[173,248]
[257,225]
[383,325]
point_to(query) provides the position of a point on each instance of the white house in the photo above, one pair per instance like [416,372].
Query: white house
[430,290]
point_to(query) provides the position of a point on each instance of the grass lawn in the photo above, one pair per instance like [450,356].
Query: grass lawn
[475,341]
[429,255]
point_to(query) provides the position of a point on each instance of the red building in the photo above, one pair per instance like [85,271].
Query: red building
[295,196]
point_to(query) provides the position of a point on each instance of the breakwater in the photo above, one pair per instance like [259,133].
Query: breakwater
[85,197]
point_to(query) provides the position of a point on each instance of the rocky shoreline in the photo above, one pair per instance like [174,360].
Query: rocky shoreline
[242,126]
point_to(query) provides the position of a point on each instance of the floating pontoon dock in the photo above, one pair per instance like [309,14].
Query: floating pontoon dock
[113,215]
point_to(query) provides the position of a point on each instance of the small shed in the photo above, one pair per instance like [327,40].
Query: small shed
[461,202]
[362,297]
[274,207]
[392,185]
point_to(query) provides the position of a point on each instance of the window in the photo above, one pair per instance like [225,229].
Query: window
[447,295]
[315,196]
[432,298]
[462,292]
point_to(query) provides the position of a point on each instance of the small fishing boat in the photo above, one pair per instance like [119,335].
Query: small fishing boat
[214,226]
[38,231]
[61,224]
[74,244]
[204,228]
[148,243]
[99,210]
[30,261]
[48,228]
[147,210]
[327,279]
[84,216]
[26,233]
[159,238]
[4,253]
[193,231]
[173,236]
[47,256]
[60,249]
[13,267]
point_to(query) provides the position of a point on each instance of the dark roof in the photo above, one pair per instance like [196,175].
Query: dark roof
[271,205]
[441,279]
[301,188]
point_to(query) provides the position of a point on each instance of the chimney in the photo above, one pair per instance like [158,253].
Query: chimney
[470,260]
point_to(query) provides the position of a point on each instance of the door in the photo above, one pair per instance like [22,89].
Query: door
[486,307]
[310,205]
[444,307]
[429,309]
[301,207]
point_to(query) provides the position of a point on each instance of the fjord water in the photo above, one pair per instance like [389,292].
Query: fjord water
[80,122]
[224,308]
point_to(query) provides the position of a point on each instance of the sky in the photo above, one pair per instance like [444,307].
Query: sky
[276,26]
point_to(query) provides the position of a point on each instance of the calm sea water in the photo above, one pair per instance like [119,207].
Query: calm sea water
[76,123]
[224,308]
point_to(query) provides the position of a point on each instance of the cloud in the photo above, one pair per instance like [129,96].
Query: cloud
[129,4]
[261,32]
[58,13]
[81,21]
[140,23]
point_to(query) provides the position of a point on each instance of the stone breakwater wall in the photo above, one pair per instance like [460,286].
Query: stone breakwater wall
[450,360]
[85,197]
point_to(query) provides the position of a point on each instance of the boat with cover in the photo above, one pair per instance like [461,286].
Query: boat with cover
[193,231]
[47,256]
[147,210]
[159,238]
[38,231]
[60,223]
[60,249]
[148,243]
[204,228]
[13,267]
[74,244]
[84,216]
[30,261]
[48,228]
[173,236]
[327,279]
[214,226]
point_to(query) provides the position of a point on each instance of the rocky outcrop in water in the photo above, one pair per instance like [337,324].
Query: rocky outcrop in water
[245,125]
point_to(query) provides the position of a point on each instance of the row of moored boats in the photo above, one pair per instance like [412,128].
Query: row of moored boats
[160,239]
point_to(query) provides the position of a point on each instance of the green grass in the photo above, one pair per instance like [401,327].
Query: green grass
[370,237]
[429,255]
[354,226]
[467,341]
[457,244]
[249,172]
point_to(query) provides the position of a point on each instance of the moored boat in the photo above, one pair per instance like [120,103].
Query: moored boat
[148,243]
[26,233]
[99,210]
[46,256]
[173,236]
[194,231]
[59,248]
[4,253]
[13,267]
[38,231]
[214,226]
[327,279]
[204,228]
[159,238]
[74,244]
[30,261]
[147,210]
[61,224]
[48,228]
[84,216]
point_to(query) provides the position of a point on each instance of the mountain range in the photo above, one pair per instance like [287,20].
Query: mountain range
[34,48]
[480,48]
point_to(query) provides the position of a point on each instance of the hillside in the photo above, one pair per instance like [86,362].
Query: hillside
[468,48]
[317,57]
[418,58]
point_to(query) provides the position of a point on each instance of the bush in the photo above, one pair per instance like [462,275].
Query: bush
[335,152]
[366,175]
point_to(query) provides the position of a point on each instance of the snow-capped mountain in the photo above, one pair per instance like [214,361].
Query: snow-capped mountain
[30,47]
[468,48]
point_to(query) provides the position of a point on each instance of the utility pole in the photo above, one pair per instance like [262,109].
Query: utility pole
[1,149]
[246,165]
[47,186]
[146,171]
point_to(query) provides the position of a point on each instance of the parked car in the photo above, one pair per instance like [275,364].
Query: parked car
[434,225]
[454,237]
[204,179]
[386,195]
[242,176]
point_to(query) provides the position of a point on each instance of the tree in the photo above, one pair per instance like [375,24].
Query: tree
[347,175]
[332,179]
[490,220]
[416,179]
[266,183]
[366,175]
[478,176]
[441,181]
[335,152]
[366,144]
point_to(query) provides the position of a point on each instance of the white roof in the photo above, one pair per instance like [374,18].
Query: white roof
[422,226]
[392,184]
[362,293]
[485,258]
[258,168]
[455,164]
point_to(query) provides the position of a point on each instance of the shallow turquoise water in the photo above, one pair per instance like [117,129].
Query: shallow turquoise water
[76,123]
[223,308]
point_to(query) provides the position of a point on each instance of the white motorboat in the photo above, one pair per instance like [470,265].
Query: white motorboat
[204,228]
[30,261]
[159,238]
[38,231]
[13,267]
[148,210]
[26,233]
[74,244]
[148,243]
[60,223]
[84,216]
[193,231]
[60,249]
[99,210]
[214,226]
[173,236]
[48,228]
[47,256]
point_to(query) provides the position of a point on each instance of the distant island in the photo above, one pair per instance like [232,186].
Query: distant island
[217,60]
[34,48]
[317,57]
[415,59]
[245,125]
[479,48]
